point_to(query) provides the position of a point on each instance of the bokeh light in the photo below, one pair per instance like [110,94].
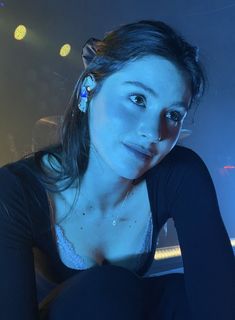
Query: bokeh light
[65,50]
[20,32]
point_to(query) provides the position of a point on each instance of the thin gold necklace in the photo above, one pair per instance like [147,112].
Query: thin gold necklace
[114,219]
[114,222]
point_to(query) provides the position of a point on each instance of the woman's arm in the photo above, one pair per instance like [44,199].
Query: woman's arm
[18,297]
[208,258]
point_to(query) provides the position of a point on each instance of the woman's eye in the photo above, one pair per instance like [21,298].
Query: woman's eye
[175,116]
[138,99]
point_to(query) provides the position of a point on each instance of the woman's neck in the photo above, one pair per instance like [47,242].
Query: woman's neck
[103,186]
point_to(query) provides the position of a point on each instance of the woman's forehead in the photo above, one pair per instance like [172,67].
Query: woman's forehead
[148,68]
[151,71]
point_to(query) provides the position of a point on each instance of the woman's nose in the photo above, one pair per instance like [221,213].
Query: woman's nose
[151,128]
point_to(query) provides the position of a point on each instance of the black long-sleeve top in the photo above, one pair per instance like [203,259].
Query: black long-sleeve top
[179,187]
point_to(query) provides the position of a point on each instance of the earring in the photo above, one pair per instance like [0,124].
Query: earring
[85,93]
[83,99]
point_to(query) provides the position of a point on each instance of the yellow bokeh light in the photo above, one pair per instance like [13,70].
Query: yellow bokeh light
[65,50]
[20,32]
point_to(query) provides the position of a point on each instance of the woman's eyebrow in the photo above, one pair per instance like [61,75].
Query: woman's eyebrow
[154,93]
[143,86]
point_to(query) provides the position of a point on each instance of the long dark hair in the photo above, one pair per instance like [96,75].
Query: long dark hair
[101,58]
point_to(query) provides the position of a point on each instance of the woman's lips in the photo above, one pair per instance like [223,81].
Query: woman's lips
[138,154]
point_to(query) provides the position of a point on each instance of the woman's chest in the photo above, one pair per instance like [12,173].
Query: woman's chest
[118,236]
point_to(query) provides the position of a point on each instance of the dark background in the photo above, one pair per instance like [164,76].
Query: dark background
[35,82]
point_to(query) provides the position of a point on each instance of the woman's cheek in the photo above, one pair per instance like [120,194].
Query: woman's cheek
[123,112]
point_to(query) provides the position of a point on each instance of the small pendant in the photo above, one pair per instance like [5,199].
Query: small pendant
[114,222]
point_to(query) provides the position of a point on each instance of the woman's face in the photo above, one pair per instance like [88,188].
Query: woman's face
[124,112]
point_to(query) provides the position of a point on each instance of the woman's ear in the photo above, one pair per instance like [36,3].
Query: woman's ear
[89,82]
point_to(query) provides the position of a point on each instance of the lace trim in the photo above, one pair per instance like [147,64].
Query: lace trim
[73,260]
[67,251]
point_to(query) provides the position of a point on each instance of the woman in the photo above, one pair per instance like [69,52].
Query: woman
[91,207]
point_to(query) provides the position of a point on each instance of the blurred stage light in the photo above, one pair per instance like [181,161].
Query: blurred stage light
[65,50]
[167,252]
[20,32]
[175,251]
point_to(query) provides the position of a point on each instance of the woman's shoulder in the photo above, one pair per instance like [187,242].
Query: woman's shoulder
[36,163]
[17,177]
[17,168]
[10,171]
[22,194]
[8,179]
[13,206]
[184,157]
[22,175]
[180,161]
[184,153]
